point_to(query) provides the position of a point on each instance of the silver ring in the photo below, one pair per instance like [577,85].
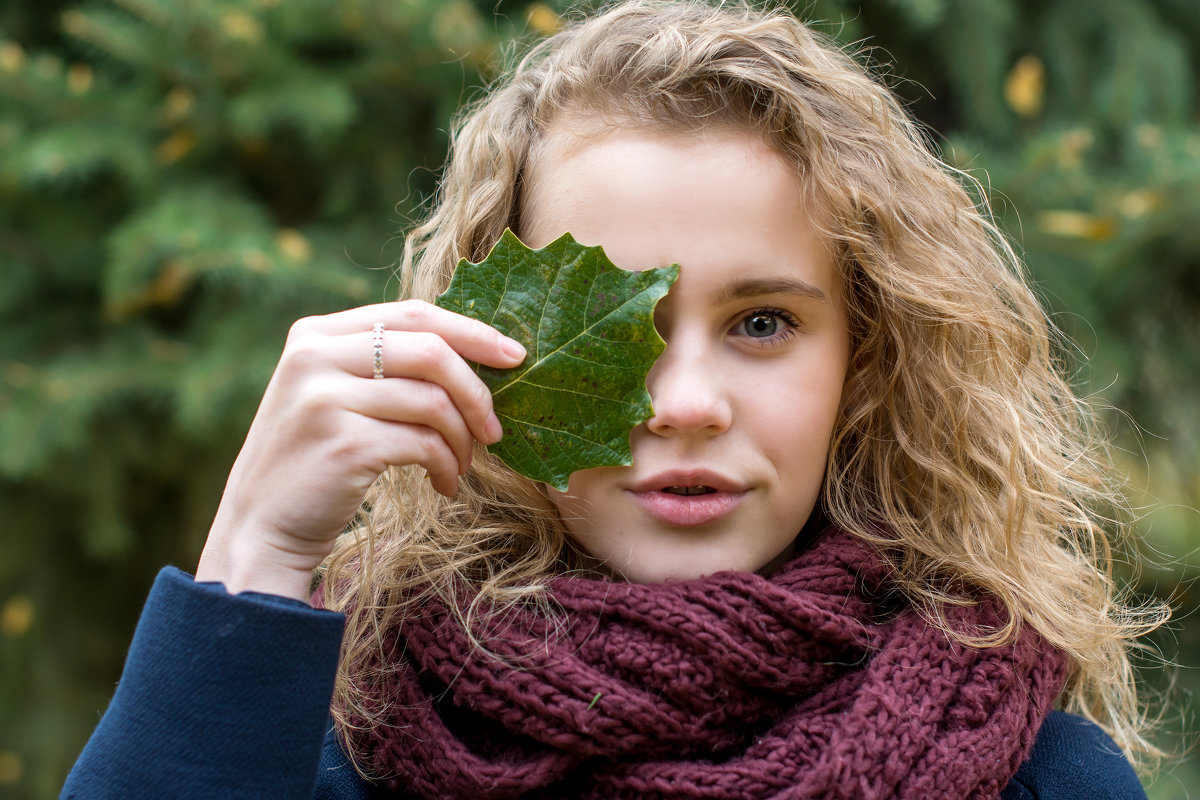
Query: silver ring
[377,346]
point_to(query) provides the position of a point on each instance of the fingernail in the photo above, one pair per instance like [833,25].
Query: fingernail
[493,428]
[512,348]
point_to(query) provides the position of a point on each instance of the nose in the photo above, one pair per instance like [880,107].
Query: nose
[689,394]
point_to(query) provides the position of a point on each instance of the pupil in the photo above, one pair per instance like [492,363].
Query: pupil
[762,325]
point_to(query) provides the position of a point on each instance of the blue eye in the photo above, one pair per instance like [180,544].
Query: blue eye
[767,326]
[761,325]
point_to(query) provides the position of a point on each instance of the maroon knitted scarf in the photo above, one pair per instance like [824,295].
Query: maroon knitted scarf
[815,682]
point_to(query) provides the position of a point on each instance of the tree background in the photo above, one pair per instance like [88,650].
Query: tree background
[180,179]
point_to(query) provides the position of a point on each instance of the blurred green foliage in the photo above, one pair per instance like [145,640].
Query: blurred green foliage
[180,179]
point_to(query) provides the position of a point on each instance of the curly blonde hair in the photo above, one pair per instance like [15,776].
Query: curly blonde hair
[961,449]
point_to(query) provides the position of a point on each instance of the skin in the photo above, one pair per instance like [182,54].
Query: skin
[326,429]
[747,389]
[731,402]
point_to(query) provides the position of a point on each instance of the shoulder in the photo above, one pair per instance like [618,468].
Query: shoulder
[1074,759]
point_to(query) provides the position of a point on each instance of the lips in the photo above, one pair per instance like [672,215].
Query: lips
[687,498]
[687,479]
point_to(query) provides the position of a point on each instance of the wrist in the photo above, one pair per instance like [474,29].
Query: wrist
[243,564]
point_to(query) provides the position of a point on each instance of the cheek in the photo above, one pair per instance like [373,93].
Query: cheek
[576,506]
[796,423]
[566,505]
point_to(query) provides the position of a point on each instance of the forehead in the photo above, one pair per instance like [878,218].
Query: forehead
[573,134]
[586,165]
[720,202]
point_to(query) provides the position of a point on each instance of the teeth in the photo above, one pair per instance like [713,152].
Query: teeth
[688,491]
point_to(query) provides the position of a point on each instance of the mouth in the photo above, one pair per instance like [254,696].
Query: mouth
[687,482]
[687,499]
[688,491]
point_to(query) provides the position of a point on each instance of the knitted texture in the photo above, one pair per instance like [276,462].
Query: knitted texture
[815,682]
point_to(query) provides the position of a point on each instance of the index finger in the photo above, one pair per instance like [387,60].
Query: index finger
[470,338]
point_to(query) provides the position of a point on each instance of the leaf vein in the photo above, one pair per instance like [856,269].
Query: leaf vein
[580,334]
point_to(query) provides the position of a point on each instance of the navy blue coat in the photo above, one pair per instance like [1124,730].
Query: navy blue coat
[228,697]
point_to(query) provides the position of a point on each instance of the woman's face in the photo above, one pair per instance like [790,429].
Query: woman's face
[745,395]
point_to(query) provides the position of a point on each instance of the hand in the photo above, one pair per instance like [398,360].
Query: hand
[326,429]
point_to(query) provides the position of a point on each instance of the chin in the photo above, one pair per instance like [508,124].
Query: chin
[677,567]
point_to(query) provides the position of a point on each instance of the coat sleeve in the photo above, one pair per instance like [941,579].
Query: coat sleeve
[221,696]
[1074,759]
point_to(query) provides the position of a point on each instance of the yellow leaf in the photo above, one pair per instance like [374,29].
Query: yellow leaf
[178,103]
[1139,203]
[12,768]
[240,25]
[458,27]
[1149,135]
[79,78]
[254,148]
[1077,224]
[12,57]
[176,146]
[256,260]
[170,284]
[352,18]
[543,19]
[1025,86]
[17,616]
[293,244]
[1072,145]
[165,289]
[76,23]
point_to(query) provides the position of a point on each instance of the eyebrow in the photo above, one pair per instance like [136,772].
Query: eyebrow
[753,287]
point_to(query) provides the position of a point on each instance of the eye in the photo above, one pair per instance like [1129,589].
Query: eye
[767,326]
[761,325]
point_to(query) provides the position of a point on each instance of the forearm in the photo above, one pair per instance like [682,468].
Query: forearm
[222,696]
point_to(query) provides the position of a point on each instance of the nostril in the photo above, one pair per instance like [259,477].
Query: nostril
[688,414]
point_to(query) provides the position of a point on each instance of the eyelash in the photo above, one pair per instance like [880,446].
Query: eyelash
[790,325]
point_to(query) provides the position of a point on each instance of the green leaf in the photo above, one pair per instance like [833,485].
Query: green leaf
[588,327]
